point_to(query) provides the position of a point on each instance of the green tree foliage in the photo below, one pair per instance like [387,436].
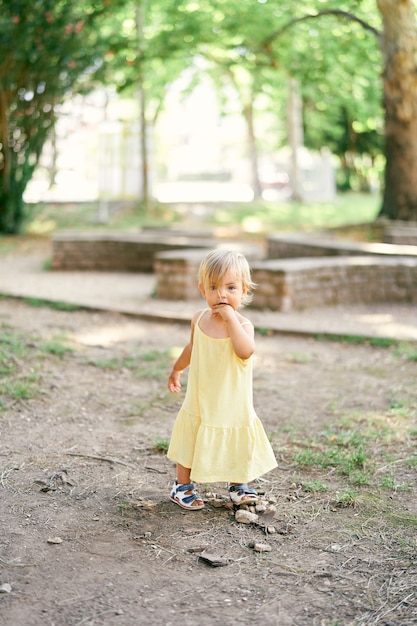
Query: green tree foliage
[48,48]
[255,47]
[336,58]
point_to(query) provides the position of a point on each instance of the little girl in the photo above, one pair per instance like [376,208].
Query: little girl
[217,436]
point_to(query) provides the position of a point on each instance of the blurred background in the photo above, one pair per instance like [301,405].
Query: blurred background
[140,104]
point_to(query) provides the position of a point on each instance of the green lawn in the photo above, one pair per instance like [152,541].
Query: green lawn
[266,216]
[255,217]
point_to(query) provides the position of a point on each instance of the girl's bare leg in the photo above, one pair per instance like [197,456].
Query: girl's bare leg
[183,474]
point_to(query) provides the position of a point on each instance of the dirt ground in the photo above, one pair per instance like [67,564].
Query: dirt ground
[87,532]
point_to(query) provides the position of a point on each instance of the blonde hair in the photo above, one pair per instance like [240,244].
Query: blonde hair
[218,262]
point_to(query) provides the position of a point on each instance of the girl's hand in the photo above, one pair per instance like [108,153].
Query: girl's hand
[174,384]
[225,311]
[242,336]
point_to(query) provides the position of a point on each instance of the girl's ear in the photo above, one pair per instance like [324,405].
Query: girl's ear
[202,290]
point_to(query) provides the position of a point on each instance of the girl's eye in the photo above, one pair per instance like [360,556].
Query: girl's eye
[232,287]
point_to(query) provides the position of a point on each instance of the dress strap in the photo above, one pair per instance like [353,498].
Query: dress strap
[201,315]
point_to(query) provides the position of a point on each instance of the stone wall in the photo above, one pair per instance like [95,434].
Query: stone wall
[296,284]
[295,245]
[324,272]
[176,274]
[403,235]
[116,252]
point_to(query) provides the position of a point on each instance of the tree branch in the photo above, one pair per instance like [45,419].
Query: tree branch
[337,12]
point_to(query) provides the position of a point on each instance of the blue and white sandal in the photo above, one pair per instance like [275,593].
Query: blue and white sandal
[185,496]
[241,494]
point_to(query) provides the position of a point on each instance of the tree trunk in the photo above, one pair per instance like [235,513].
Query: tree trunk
[399,47]
[144,150]
[295,137]
[140,22]
[4,141]
[252,149]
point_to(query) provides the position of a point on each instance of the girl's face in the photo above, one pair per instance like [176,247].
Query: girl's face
[226,290]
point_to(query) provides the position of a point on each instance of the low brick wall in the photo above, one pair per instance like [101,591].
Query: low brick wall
[176,274]
[296,284]
[403,235]
[296,245]
[117,252]
[324,272]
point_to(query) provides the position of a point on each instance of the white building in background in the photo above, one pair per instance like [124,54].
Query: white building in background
[71,157]
[196,154]
[119,162]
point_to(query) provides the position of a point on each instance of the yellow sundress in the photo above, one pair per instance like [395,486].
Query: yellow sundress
[217,432]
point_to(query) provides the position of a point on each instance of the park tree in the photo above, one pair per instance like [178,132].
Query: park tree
[397,39]
[260,31]
[143,68]
[48,49]
[258,48]
[52,49]
[399,49]
[341,94]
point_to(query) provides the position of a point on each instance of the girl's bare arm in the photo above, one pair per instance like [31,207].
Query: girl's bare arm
[242,336]
[183,361]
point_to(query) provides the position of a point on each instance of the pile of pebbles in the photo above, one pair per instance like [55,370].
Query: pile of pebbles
[260,514]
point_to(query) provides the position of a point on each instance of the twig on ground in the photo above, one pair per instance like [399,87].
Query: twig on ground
[13,564]
[106,459]
[5,473]
[154,469]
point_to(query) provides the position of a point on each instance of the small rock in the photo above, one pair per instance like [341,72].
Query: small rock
[213,559]
[192,549]
[262,547]
[245,517]
[217,503]
[266,518]
[55,540]
[335,547]
[5,588]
